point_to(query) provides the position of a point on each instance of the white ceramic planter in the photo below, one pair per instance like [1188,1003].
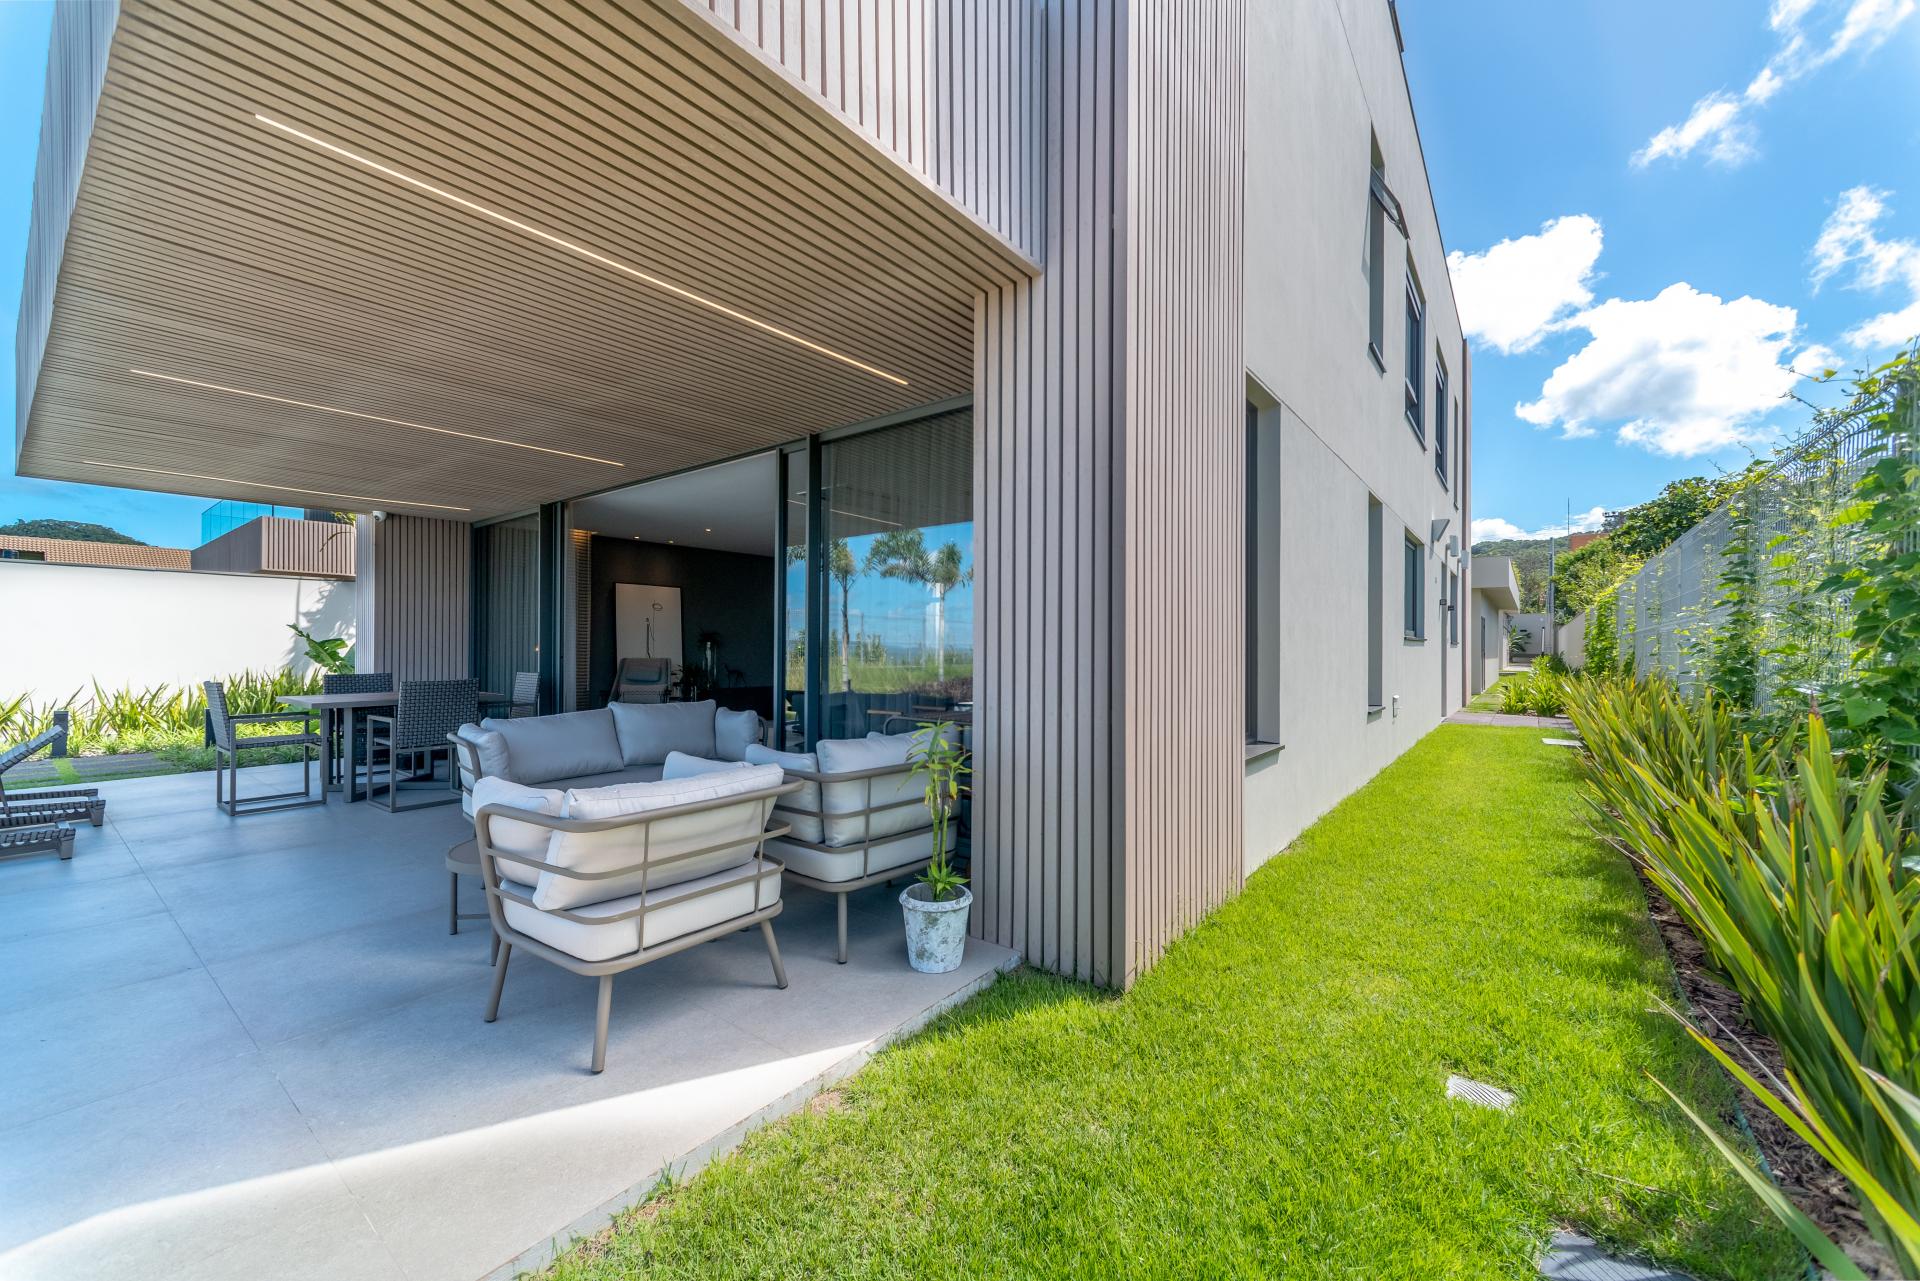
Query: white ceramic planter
[936,932]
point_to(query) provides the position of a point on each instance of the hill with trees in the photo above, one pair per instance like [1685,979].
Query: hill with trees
[79,531]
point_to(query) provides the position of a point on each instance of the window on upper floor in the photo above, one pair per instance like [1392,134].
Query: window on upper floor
[1416,359]
[1440,424]
[1382,208]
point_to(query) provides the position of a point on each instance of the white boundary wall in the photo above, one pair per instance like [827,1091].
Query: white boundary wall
[64,626]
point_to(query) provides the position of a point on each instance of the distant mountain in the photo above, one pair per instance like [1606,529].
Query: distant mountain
[78,531]
[1530,562]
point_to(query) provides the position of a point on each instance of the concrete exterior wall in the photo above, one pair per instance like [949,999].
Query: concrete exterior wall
[1538,635]
[1489,641]
[1571,643]
[70,625]
[1320,75]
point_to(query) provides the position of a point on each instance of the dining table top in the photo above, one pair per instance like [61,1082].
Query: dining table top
[376,698]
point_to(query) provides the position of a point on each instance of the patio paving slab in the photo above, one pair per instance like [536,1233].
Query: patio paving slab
[246,1048]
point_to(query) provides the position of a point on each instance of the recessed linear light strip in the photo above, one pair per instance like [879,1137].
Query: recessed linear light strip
[581,250]
[284,489]
[372,418]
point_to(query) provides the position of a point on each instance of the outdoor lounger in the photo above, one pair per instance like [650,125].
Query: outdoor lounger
[38,808]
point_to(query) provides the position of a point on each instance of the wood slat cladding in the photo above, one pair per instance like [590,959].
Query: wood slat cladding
[951,88]
[76,68]
[1109,452]
[422,613]
[281,545]
[207,246]
[1184,534]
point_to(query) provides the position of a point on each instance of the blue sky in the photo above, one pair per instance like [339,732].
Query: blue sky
[1704,148]
[1729,188]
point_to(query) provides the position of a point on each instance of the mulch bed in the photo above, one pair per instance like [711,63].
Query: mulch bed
[1801,1173]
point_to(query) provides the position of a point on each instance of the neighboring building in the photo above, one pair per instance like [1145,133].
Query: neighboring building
[1576,541]
[1496,601]
[74,551]
[289,548]
[1052,397]
[230,514]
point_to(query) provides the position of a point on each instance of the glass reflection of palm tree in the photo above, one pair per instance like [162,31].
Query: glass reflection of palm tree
[903,554]
[841,568]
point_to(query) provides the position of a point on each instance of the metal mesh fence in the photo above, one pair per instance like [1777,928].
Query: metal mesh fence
[1766,551]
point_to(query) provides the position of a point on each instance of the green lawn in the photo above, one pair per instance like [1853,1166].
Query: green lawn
[1268,1100]
[1488,699]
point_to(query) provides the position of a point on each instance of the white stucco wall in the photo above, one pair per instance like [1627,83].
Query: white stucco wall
[1320,75]
[62,627]
[1489,641]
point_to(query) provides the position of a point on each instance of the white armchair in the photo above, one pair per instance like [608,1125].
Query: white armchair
[604,880]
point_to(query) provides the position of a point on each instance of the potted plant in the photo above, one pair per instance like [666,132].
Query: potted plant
[936,903]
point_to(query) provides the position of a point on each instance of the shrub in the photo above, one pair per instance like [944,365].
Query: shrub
[149,720]
[1541,692]
[1803,885]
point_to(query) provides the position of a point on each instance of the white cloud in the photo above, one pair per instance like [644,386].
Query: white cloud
[1488,527]
[1511,294]
[1719,124]
[1848,240]
[1682,373]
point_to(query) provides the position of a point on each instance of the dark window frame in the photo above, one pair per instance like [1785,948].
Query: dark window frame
[1413,590]
[1441,461]
[1416,412]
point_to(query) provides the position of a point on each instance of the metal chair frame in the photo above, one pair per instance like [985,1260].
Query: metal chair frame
[226,760]
[391,724]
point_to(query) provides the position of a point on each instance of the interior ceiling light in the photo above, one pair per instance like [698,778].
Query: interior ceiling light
[285,489]
[574,247]
[372,418]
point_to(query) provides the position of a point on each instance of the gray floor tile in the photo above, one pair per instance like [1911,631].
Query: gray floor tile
[56,967]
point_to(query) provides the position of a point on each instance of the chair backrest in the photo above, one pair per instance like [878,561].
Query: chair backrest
[218,717]
[428,711]
[357,683]
[642,680]
[526,694]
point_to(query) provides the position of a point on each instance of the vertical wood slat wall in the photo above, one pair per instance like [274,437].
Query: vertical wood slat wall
[82,34]
[1185,444]
[421,598]
[949,87]
[1109,425]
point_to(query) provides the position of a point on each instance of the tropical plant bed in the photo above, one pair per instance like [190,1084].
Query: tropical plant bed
[1717,1010]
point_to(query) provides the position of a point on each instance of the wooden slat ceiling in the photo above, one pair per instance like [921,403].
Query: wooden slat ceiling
[210,247]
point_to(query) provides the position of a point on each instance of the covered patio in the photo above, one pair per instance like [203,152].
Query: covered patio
[245,1048]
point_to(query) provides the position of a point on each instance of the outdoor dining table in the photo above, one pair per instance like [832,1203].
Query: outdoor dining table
[350,711]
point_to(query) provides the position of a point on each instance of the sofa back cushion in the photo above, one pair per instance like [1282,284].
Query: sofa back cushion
[734,732]
[845,755]
[563,746]
[489,746]
[734,827]
[806,827]
[680,765]
[648,731]
[510,836]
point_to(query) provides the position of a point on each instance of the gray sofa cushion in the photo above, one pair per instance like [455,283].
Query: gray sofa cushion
[648,731]
[680,765]
[489,746]
[541,749]
[611,778]
[734,733]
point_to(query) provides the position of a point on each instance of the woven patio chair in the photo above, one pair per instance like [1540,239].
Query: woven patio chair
[228,743]
[426,713]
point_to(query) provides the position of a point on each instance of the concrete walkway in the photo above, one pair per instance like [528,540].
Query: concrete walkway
[249,1048]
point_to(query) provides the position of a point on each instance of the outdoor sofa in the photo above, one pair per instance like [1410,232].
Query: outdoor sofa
[856,816]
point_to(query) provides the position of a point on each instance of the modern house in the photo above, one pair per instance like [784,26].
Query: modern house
[1086,372]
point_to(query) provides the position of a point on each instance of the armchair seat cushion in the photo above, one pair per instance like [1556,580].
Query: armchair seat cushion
[648,731]
[543,748]
[673,912]
[680,765]
[852,863]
